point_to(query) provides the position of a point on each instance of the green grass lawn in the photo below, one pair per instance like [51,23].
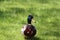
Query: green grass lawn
[13,15]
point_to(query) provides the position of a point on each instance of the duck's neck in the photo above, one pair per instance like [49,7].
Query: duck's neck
[29,21]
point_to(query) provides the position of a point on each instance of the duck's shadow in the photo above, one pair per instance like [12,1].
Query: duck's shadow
[34,38]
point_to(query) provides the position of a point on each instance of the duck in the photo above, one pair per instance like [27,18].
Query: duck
[29,30]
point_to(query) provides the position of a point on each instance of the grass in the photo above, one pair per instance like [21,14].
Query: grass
[13,15]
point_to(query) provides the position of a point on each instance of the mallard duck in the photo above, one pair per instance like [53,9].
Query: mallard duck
[29,30]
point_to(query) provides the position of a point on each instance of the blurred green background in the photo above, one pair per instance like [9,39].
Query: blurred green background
[13,15]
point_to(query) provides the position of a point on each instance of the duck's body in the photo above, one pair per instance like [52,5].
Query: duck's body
[28,30]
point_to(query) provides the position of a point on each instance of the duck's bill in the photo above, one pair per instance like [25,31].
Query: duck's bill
[33,21]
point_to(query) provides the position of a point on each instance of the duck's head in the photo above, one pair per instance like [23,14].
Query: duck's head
[29,19]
